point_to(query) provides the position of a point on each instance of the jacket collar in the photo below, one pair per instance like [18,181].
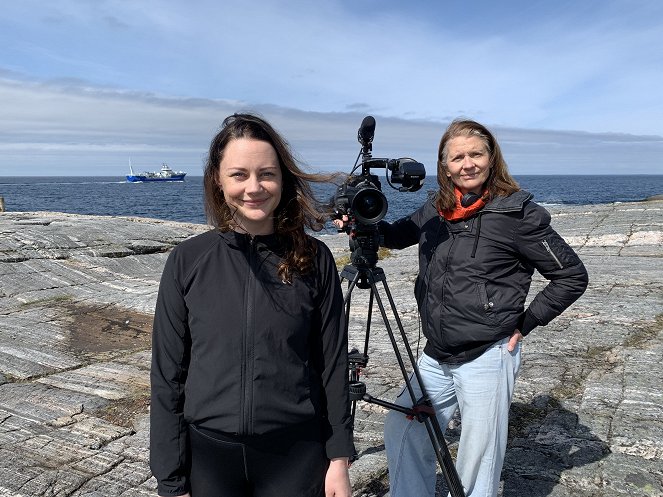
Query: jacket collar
[512,203]
[242,241]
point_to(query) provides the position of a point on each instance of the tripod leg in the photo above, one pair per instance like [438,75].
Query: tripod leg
[353,278]
[368,321]
[433,428]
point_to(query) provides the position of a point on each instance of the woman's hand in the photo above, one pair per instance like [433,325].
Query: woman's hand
[337,480]
[340,223]
[513,341]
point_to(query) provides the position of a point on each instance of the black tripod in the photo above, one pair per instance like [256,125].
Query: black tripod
[363,273]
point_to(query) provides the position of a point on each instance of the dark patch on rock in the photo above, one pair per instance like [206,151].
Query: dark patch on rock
[124,412]
[643,335]
[95,329]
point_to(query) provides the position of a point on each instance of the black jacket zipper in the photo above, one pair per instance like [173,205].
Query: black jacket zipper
[552,254]
[246,419]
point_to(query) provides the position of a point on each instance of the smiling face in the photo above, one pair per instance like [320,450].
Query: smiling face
[468,163]
[250,178]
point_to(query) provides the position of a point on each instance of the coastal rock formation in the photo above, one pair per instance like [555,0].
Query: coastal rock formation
[76,300]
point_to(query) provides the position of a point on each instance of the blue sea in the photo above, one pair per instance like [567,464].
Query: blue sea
[183,201]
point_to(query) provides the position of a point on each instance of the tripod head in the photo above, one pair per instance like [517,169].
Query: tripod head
[364,246]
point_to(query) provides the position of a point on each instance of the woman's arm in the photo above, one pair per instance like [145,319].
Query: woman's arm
[170,358]
[407,230]
[334,356]
[555,260]
[397,235]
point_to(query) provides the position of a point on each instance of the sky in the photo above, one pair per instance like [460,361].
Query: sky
[567,87]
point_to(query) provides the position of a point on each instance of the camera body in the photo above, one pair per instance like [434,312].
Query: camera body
[361,197]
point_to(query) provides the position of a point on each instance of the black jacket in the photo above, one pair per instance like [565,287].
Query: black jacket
[474,275]
[236,350]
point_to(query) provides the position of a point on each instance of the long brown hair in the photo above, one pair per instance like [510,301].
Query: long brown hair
[499,182]
[298,208]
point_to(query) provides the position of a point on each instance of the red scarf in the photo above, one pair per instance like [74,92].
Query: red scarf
[459,212]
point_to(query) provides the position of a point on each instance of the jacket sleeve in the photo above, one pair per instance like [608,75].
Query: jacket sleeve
[334,370]
[402,233]
[544,249]
[170,358]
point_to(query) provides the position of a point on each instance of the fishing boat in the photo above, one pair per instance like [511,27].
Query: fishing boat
[166,174]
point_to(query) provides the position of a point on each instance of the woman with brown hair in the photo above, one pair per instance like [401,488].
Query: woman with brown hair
[249,365]
[480,239]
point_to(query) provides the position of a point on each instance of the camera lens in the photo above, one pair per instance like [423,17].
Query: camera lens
[369,206]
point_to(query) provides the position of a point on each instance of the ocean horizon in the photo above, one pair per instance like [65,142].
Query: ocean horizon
[183,200]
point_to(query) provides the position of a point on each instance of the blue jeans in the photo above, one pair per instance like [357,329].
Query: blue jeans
[482,389]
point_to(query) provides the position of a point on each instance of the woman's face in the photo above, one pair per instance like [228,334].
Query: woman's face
[251,181]
[468,163]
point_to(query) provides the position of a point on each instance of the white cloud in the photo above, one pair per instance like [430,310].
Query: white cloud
[77,130]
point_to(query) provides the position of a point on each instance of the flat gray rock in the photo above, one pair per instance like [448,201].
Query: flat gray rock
[77,295]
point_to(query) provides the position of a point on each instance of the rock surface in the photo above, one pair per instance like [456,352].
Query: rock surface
[76,300]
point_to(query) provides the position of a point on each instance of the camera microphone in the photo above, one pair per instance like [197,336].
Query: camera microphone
[366,130]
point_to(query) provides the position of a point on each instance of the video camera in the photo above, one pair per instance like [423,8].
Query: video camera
[360,197]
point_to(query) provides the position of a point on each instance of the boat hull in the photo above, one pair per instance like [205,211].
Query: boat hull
[145,179]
